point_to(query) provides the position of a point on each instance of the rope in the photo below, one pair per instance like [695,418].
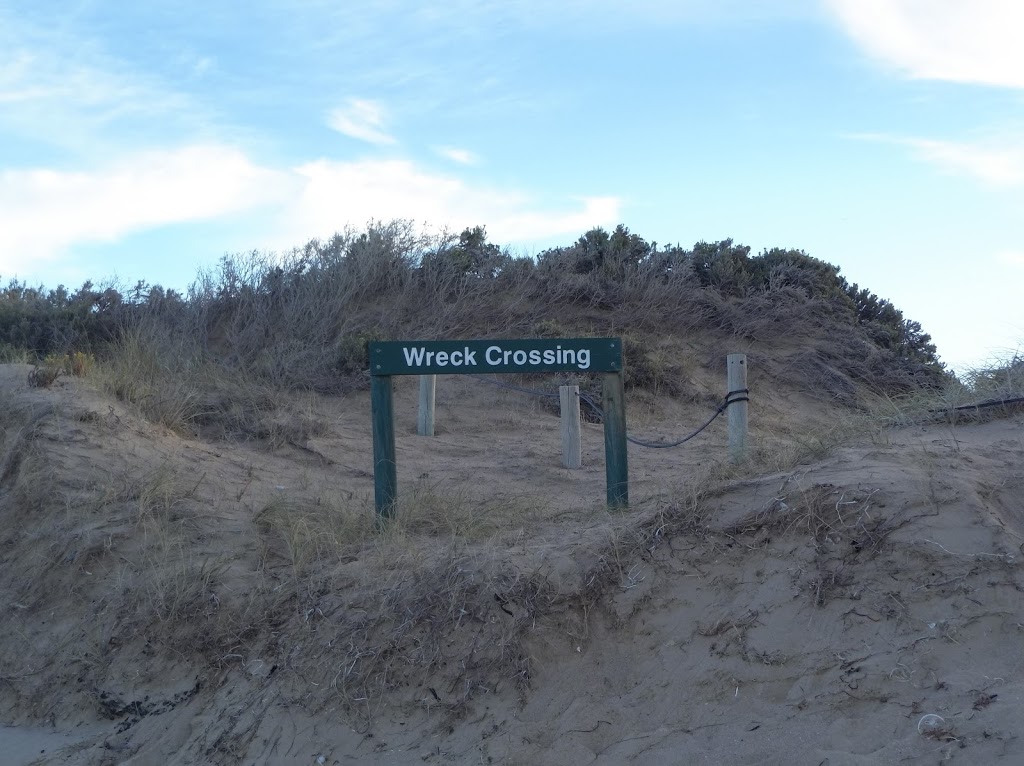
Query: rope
[742,397]
[739,395]
[989,403]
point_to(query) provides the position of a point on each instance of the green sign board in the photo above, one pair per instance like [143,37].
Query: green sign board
[448,357]
[451,357]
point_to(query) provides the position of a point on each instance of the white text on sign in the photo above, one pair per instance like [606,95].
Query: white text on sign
[495,356]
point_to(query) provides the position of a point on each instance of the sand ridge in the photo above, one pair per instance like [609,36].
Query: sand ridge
[157,597]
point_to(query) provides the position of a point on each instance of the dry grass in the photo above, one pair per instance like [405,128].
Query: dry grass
[316,532]
[187,393]
[398,605]
[20,427]
[436,635]
[841,527]
[1000,381]
[725,625]
[142,371]
[43,376]
[134,531]
[781,455]
[436,510]
[13,355]
[834,519]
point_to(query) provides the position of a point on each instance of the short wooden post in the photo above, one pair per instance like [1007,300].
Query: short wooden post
[736,388]
[425,418]
[572,432]
[385,470]
[615,457]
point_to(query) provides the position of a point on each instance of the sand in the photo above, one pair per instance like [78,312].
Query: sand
[860,607]
[23,745]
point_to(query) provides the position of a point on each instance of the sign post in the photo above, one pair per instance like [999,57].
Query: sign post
[481,357]
[385,469]
[616,467]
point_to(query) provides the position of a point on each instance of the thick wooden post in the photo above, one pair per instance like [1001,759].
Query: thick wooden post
[385,472]
[425,417]
[572,432]
[736,386]
[616,462]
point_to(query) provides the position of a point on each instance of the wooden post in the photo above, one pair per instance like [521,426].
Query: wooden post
[572,433]
[385,473]
[425,418]
[736,385]
[615,457]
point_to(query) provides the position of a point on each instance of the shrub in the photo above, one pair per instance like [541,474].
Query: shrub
[999,380]
[44,376]
[80,363]
[354,352]
[301,321]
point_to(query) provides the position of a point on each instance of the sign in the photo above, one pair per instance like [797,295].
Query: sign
[448,357]
[478,357]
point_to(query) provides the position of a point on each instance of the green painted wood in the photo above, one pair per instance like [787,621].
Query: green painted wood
[615,447]
[590,354]
[385,469]
[479,357]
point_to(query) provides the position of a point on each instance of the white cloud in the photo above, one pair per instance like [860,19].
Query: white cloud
[998,165]
[340,193]
[967,41]
[460,156]
[998,162]
[1012,258]
[361,119]
[202,65]
[68,91]
[45,212]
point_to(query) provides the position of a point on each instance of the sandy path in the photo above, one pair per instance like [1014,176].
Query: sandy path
[24,745]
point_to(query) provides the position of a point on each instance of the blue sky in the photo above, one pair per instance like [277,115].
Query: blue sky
[143,140]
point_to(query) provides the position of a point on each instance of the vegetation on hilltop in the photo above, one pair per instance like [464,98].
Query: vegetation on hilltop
[301,321]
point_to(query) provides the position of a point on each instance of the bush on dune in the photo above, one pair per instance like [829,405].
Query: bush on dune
[301,321]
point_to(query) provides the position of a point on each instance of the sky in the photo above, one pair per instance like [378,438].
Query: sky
[145,140]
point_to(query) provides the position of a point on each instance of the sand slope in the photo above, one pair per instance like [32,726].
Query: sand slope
[864,608]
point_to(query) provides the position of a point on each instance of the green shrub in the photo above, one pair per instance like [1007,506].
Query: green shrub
[354,352]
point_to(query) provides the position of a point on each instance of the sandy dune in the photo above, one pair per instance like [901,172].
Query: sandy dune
[860,607]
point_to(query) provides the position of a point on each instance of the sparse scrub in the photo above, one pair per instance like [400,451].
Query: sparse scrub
[20,427]
[445,511]
[156,373]
[978,393]
[175,385]
[301,321]
[780,455]
[43,376]
[653,369]
[159,496]
[179,587]
[10,354]
[316,532]
[80,364]
[1000,380]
